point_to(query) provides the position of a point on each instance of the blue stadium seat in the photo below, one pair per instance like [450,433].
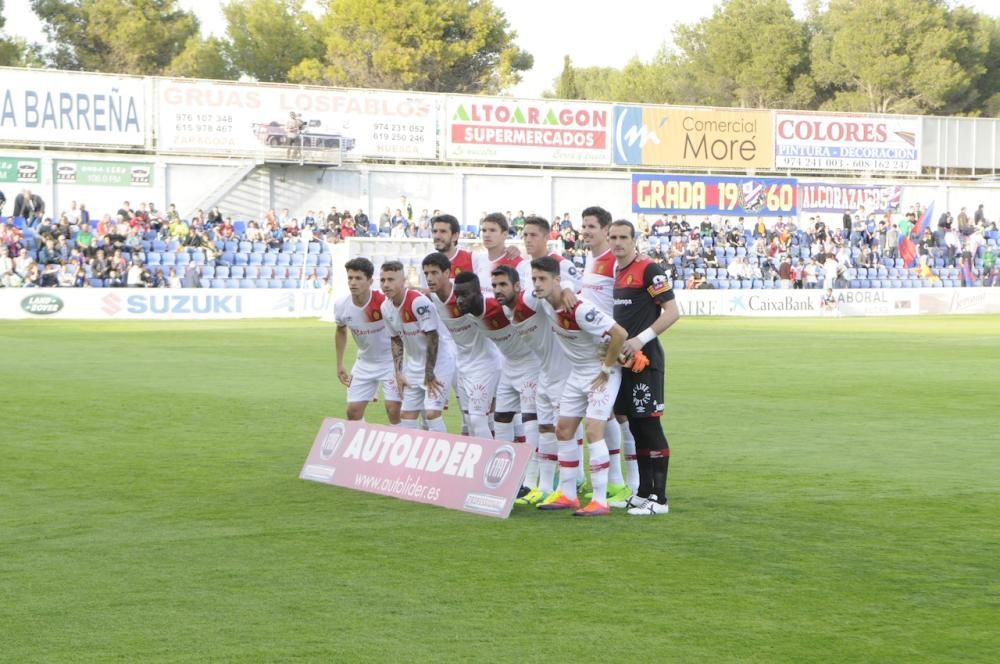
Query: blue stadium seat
[220,245]
[251,271]
[757,283]
[314,247]
[159,245]
[228,257]
[256,259]
[218,283]
[735,283]
[259,247]
[168,258]
[322,272]
[270,259]
[284,259]
[221,271]
[97,283]
[678,285]
[298,259]
[182,258]
[152,258]
[146,245]
[895,283]
[722,284]
[232,283]
[290,283]
[239,227]
[855,283]
[768,284]
[241,258]
[231,245]
[245,246]
[731,252]
[247,283]
[236,272]
[208,271]
[325,259]
[741,251]
[172,245]
[274,283]
[261,283]
[198,257]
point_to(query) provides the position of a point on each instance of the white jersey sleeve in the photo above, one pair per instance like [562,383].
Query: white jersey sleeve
[425,313]
[592,321]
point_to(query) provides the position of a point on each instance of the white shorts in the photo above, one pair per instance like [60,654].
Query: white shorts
[416,397]
[547,396]
[579,401]
[517,394]
[365,382]
[476,388]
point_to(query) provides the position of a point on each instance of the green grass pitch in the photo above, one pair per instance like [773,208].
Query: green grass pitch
[834,497]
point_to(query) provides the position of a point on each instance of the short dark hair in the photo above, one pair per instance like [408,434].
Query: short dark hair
[603,216]
[498,219]
[392,266]
[546,264]
[627,224]
[438,260]
[467,278]
[507,271]
[360,264]
[447,219]
[541,222]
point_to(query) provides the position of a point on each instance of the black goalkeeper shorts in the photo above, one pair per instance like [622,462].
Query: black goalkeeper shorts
[641,394]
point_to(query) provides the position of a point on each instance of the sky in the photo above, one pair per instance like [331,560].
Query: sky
[548,29]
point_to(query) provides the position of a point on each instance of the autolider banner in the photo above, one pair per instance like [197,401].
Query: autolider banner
[55,107]
[215,117]
[838,197]
[527,131]
[875,143]
[692,137]
[662,193]
[458,472]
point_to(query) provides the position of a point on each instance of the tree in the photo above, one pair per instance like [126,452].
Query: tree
[202,58]
[566,83]
[124,37]
[267,38]
[749,53]
[901,56]
[462,46]
[15,51]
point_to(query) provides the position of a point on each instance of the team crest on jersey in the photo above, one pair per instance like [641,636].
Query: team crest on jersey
[407,317]
[599,269]
[455,313]
[494,323]
[376,315]
[629,280]
[458,271]
[564,323]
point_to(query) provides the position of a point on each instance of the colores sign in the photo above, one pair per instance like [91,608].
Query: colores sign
[458,472]
[42,305]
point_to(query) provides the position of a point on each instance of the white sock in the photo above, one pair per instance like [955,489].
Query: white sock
[409,424]
[599,462]
[631,460]
[548,457]
[465,423]
[479,426]
[581,476]
[531,439]
[436,424]
[569,465]
[613,437]
[504,431]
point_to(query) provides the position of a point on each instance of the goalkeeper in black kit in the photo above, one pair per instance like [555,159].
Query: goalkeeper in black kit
[644,305]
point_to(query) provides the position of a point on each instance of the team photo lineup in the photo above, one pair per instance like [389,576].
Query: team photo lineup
[535,352]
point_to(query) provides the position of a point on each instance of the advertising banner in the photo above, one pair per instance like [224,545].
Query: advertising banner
[458,472]
[836,197]
[847,142]
[208,116]
[661,193]
[529,131]
[42,106]
[679,137]
[103,173]
[162,303]
[20,169]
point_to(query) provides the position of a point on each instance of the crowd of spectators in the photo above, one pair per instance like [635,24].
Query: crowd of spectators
[146,247]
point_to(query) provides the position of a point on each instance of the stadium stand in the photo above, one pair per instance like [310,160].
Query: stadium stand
[283,253]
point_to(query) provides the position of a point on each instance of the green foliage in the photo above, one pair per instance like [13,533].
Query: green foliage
[202,58]
[901,56]
[828,506]
[268,38]
[566,83]
[433,45]
[135,37]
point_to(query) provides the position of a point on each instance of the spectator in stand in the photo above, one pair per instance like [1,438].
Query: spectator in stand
[80,278]
[32,276]
[891,242]
[831,269]
[253,232]
[361,223]
[159,279]
[29,206]
[991,277]
[177,230]
[115,280]
[192,276]
[3,201]
[133,241]
[118,263]
[953,244]
[965,225]
[398,231]
[399,219]
[99,265]
[980,216]
[385,222]
[48,255]
[214,217]
[133,279]
[85,240]
[6,262]
[809,273]
[785,272]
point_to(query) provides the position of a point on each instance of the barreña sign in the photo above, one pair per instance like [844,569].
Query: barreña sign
[469,474]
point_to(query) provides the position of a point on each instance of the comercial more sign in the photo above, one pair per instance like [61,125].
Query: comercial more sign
[515,130]
[54,107]
[459,472]
[103,173]
[20,169]
[694,138]
[663,193]
[207,116]
[847,142]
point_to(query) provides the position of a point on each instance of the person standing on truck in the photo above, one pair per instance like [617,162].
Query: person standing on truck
[292,131]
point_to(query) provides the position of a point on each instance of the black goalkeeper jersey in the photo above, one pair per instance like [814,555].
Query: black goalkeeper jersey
[641,289]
